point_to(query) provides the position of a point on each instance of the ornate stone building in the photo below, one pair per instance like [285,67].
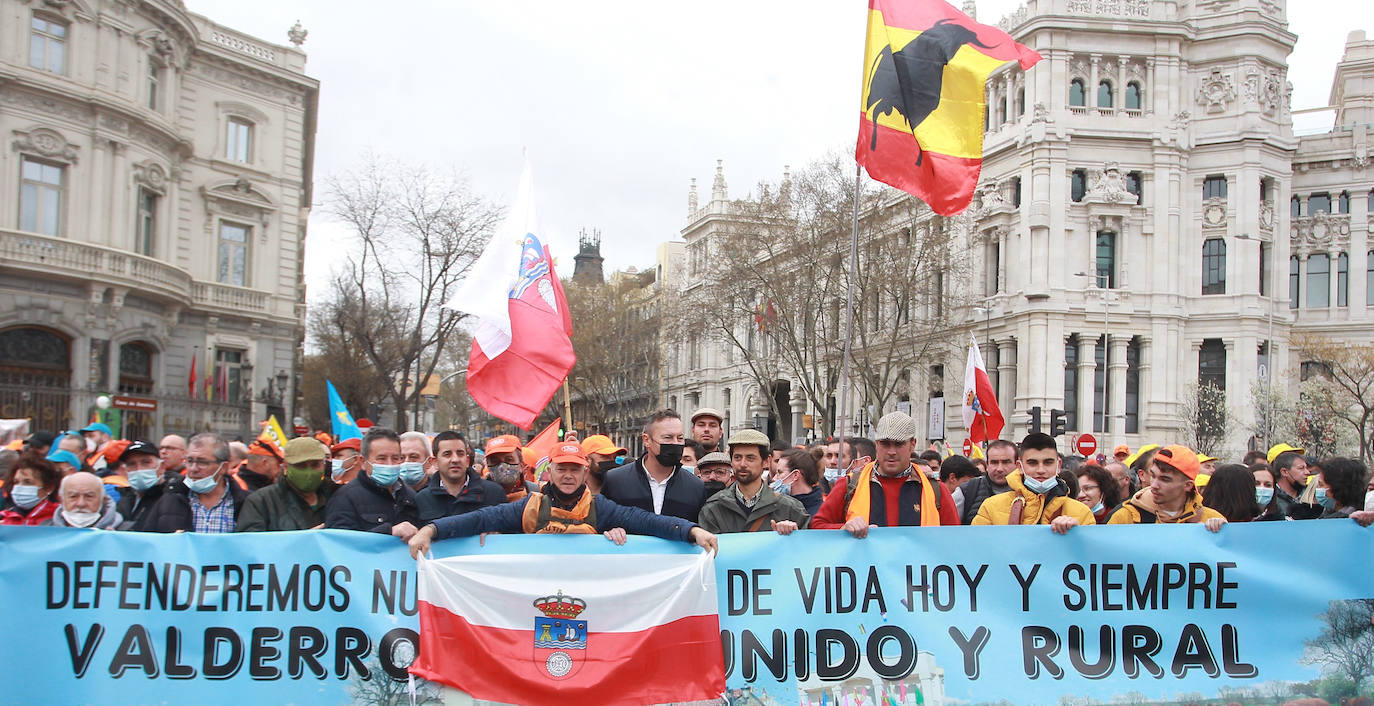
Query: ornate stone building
[1146,220]
[158,172]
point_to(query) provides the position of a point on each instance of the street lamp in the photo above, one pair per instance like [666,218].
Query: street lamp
[1266,279]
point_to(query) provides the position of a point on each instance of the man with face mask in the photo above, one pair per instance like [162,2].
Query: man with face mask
[345,460]
[261,468]
[142,469]
[377,500]
[503,459]
[715,472]
[1037,495]
[97,435]
[601,454]
[206,501]
[415,460]
[84,504]
[652,481]
[297,500]
[752,505]
[456,487]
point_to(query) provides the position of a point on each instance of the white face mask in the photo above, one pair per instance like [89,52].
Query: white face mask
[80,518]
[337,470]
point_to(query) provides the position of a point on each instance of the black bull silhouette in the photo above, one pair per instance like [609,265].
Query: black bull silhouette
[909,80]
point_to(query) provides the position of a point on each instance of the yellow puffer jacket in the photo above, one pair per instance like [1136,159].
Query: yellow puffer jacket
[1039,509]
[1141,507]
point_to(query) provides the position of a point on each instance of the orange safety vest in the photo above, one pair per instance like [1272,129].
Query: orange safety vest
[541,517]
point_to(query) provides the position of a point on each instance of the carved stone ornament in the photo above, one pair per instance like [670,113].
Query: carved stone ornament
[1109,186]
[1320,231]
[151,175]
[1266,216]
[297,34]
[1216,92]
[1041,114]
[989,199]
[45,142]
[1214,213]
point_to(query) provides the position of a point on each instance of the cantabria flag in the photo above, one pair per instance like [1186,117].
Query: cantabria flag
[572,628]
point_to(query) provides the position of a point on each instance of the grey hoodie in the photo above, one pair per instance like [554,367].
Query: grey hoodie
[109,518]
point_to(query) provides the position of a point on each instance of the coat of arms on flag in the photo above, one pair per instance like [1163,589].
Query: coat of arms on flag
[560,640]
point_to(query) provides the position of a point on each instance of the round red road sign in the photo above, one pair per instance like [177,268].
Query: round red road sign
[968,447]
[1085,444]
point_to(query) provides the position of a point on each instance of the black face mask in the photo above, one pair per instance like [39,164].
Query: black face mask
[713,487]
[669,455]
[604,466]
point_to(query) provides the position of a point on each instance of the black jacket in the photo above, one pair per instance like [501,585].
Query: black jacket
[133,506]
[434,500]
[364,505]
[629,485]
[507,518]
[811,502]
[172,511]
[975,492]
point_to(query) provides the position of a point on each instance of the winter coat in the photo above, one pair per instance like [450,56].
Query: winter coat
[364,505]
[1038,510]
[172,511]
[724,513]
[434,500]
[629,485]
[109,516]
[975,492]
[278,508]
[811,502]
[134,506]
[36,515]
[834,511]
[1142,510]
[507,518]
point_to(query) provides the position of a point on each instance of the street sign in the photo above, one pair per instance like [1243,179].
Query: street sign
[134,404]
[1085,444]
[300,429]
[936,428]
[968,447]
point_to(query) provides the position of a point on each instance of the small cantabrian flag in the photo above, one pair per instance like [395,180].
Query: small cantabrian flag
[982,417]
[926,65]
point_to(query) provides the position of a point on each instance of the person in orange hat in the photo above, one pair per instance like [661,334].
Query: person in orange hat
[601,454]
[1172,495]
[504,464]
[261,468]
[110,472]
[1121,452]
[345,458]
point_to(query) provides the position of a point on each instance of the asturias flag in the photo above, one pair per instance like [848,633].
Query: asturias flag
[528,629]
[344,426]
[921,122]
[982,417]
[522,339]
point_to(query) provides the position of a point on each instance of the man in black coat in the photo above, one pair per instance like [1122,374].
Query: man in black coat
[455,488]
[207,501]
[377,500]
[653,481]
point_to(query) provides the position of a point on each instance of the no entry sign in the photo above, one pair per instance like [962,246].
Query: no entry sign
[1085,444]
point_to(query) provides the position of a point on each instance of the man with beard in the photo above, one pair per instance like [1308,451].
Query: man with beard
[652,482]
[601,456]
[563,506]
[456,488]
[84,504]
[706,428]
[503,464]
[752,505]
[969,497]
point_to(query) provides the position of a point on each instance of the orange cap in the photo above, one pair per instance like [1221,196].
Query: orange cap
[502,444]
[263,447]
[355,444]
[1121,449]
[1180,458]
[601,444]
[114,450]
[568,453]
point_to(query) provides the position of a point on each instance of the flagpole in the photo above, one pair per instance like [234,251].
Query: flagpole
[849,312]
[567,407]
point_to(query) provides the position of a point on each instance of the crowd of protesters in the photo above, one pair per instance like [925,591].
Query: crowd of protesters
[690,484]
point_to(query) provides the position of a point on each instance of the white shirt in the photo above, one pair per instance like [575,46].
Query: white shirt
[657,490]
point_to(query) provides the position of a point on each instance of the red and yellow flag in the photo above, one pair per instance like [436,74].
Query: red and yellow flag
[921,122]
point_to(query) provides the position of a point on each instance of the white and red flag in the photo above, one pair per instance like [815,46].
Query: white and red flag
[572,628]
[522,331]
[982,417]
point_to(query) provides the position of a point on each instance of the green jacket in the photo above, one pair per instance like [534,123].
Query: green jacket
[723,513]
[278,507]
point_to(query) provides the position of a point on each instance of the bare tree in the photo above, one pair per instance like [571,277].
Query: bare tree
[1346,372]
[1345,646]
[416,235]
[1206,421]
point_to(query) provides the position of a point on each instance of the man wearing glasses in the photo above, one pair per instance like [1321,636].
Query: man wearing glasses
[204,502]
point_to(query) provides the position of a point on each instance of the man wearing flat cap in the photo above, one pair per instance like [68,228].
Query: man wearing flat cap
[890,491]
[296,500]
[706,428]
[751,505]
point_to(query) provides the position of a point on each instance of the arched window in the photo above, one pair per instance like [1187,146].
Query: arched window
[1369,278]
[1078,93]
[1020,101]
[1001,110]
[136,368]
[1343,202]
[1071,382]
[1318,203]
[1318,281]
[1078,188]
[1295,207]
[1214,266]
[35,376]
[1294,281]
[1134,185]
[1104,94]
[1342,279]
[1133,96]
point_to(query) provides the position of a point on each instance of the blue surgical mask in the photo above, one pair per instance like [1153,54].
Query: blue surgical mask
[412,472]
[385,475]
[781,488]
[143,480]
[336,469]
[1040,487]
[25,496]
[690,469]
[1097,509]
[1324,500]
[1263,496]
[201,486]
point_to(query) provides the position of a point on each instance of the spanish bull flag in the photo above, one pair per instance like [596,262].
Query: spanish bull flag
[921,117]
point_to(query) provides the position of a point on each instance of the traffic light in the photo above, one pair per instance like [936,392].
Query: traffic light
[1034,422]
[1058,422]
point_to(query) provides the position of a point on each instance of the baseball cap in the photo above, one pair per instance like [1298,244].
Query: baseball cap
[568,453]
[502,444]
[1277,449]
[896,426]
[1121,449]
[64,456]
[41,438]
[1130,460]
[715,458]
[747,436]
[601,444]
[115,450]
[263,447]
[707,412]
[1180,458]
[355,444]
[135,447]
[302,449]
[97,426]
[1204,458]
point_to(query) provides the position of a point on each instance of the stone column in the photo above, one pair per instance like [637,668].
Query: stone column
[1116,369]
[1120,84]
[1092,83]
[1087,367]
[1145,381]
[797,402]
[1147,101]
[1006,378]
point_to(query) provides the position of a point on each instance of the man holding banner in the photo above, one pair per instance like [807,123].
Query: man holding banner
[1172,496]
[1038,496]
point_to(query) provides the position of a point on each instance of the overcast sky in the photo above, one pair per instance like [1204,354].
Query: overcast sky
[619,104]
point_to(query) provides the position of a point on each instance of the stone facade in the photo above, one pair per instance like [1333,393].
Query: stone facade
[1136,200]
[158,168]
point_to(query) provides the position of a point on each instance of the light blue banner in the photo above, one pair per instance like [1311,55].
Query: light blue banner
[910,616]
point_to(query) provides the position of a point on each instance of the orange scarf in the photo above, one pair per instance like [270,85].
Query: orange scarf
[859,504]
